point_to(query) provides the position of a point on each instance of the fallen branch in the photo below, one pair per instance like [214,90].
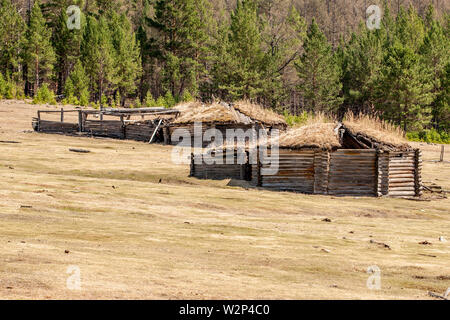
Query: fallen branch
[435,295]
[79,150]
[11,142]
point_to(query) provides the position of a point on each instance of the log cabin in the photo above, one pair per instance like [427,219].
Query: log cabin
[339,159]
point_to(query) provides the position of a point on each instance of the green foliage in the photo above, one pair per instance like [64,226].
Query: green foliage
[405,90]
[429,136]
[149,101]
[9,89]
[319,73]
[187,97]
[299,120]
[161,102]
[76,88]
[66,42]
[169,99]
[44,95]
[180,43]
[12,28]
[38,51]
[84,97]
[244,69]
[127,58]
[118,100]
[98,56]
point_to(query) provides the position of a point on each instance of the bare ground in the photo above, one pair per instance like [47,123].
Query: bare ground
[135,238]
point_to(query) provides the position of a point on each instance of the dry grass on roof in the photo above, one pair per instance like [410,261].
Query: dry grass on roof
[317,135]
[375,129]
[186,106]
[258,113]
[207,114]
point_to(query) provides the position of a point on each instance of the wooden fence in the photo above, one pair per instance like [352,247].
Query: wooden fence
[119,124]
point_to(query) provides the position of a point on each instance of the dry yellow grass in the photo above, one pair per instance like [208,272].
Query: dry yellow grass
[375,128]
[259,113]
[317,135]
[207,114]
[193,239]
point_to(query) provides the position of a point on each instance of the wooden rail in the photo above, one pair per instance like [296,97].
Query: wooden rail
[120,127]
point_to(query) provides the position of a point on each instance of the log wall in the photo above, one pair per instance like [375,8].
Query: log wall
[296,172]
[141,131]
[321,169]
[104,128]
[402,174]
[55,127]
[345,173]
[202,169]
[353,173]
[194,135]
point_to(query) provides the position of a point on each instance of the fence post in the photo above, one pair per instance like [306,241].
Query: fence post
[39,121]
[62,115]
[124,134]
[442,153]
[418,172]
[80,121]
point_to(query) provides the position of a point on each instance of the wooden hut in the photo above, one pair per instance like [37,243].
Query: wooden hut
[344,160]
[221,116]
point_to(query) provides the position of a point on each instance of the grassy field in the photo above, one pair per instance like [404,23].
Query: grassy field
[134,237]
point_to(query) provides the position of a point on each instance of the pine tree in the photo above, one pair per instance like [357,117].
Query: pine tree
[12,28]
[98,56]
[38,51]
[77,83]
[67,42]
[361,60]
[318,73]
[405,88]
[128,61]
[434,53]
[180,43]
[242,67]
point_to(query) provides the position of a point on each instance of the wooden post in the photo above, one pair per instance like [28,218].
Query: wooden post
[259,172]
[123,127]
[378,174]
[80,121]
[442,153]
[62,115]
[418,172]
[166,135]
[192,173]
[39,121]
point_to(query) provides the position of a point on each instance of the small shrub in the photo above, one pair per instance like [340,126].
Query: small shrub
[429,136]
[118,100]
[169,99]
[187,97]
[161,102]
[71,100]
[149,101]
[84,98]
[299,120]
[44,95]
